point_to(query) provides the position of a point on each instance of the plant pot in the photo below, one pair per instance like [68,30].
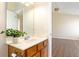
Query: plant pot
[15,40]
[9,39]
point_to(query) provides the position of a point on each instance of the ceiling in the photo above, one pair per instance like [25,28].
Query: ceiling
[67,7]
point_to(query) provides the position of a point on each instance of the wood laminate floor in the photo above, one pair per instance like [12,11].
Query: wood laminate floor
[65,48]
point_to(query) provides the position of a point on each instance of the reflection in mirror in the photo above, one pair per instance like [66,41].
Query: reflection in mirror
[20,16]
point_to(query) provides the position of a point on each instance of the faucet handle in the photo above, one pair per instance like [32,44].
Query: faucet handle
[28,37]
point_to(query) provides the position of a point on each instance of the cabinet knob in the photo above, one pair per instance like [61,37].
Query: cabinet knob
[13,55]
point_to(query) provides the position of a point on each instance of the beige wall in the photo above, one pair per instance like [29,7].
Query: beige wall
[65,25]
[42,18]
[3,46]
[28,14]
[43,22]
[37,19]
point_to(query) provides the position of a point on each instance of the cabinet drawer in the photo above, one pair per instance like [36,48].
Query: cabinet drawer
[37,54]
[31,51]
[14,50]
[45,42]
[40,46]
[18,52]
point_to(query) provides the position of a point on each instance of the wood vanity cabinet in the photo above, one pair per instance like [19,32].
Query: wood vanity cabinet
[31,51]
[44,52]
[37,54]
[38,50]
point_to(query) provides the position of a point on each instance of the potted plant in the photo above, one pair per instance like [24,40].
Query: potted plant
[13,33]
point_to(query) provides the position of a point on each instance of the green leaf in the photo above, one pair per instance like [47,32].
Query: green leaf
[13,33]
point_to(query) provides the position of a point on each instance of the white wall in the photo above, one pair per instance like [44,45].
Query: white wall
[43,22]
[50,19]
[41,19]
[3,46]
[37,19]
[28,20]
[65,25]
[12,21]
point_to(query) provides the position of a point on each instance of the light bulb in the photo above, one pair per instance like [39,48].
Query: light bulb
[27,4]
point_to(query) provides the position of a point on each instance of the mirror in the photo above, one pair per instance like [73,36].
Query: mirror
[20,16]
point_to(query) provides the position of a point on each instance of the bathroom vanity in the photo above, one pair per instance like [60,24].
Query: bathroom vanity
[27,19]
[29,48]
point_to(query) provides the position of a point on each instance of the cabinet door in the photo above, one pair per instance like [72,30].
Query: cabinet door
[46,43]
[40,46]
[31,51]
[37,54]
[10,51]
[44,52]
[18,52]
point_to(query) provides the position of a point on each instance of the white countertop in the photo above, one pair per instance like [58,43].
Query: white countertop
[25,44]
